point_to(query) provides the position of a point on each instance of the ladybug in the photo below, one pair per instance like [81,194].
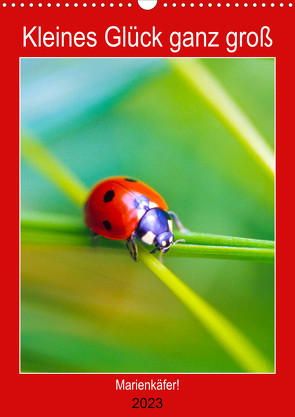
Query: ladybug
[124,208]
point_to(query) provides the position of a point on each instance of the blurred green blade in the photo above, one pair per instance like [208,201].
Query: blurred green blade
[52,168]
[232,340]
[222,104]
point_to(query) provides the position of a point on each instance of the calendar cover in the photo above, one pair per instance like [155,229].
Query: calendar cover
[146,159]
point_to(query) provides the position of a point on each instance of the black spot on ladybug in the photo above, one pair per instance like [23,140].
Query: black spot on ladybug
[130,179]
[109,195]
[107,224]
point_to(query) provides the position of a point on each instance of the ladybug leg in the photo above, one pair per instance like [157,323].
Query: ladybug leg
[132,247]
[179,225]
[94,237]
[160,254]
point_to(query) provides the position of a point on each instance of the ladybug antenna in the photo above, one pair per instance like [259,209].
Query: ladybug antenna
[179,240]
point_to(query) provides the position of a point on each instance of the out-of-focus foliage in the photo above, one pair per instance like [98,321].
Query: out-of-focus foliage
[93,309]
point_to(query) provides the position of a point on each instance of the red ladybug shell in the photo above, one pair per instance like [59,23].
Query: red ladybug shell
[115,206]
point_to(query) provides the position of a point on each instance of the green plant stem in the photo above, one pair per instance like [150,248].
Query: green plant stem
[60,229]
[222,252]
[229,337]
[220,240]
[214,94]
[51,238]
[53,221]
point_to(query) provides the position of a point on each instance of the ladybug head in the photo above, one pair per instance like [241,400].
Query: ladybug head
[164,241]
[155,228]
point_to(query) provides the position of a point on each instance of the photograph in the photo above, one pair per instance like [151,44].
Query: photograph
[147,215]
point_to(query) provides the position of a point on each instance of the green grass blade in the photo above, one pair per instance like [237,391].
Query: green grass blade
[223,252]
[220,240]
[58,229]
[72,237]
[40,157]
[53,238]
[214,94]
[53,221]
[230,338]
